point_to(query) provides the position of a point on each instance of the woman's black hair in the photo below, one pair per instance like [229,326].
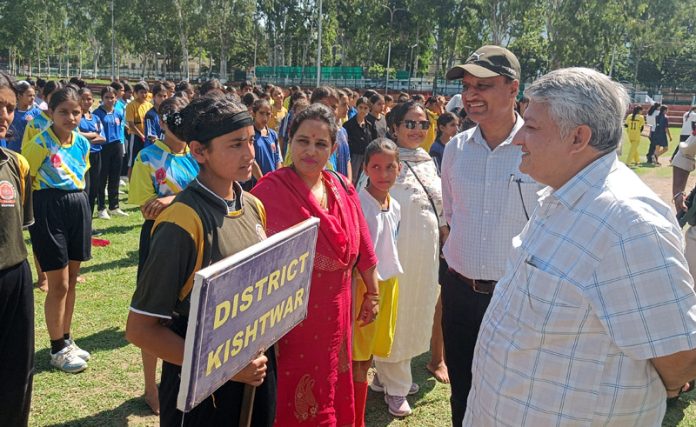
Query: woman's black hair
[62,95]
[157,88]
[397,114]
[376,98]
[183,86]
[256,106]
[249,98]
[662,110]
[319,112]
[294,97]
[107,89]
[84,90]
[50,87]
[380,145]
[653,108]
[636,110]
[211,85]
[202,114]
[362,100]
[445,119]
[170,106]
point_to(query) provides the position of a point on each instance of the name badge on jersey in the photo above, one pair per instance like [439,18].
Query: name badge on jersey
[161,175]
[56,161]
[273,147]
[28,118]
[8,194]
[117,121]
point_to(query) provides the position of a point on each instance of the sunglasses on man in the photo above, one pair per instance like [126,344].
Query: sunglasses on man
[411,124]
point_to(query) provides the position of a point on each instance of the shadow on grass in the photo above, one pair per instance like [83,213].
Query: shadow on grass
[118,416]
[131,259]
[117,229]
[675,411]
[377,414]
[104,340]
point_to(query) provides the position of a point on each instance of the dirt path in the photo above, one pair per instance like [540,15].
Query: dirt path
[663,185]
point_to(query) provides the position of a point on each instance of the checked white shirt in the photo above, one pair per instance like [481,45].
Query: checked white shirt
[596,285]
[482,194]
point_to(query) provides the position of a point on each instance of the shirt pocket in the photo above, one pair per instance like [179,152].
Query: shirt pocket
[521,199]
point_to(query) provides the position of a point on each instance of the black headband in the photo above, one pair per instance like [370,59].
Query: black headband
[236,121]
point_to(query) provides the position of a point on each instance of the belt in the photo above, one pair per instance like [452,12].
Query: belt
[485,287]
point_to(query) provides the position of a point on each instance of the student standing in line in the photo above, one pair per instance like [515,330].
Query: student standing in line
[266,148]
[160,172]
[16,293]
[91,128]
[383,215]
[634,126]
[153,128]
[23,114]
[60,237]
[211,219]
[112,153]
[135,118]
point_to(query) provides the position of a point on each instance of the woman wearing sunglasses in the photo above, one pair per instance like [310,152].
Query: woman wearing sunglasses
[418,191]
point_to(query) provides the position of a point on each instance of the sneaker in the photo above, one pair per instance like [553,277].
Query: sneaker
[122,182]
[103,214]
[82,354]
[117,212]
[398,405]
[378,387]
[67,361]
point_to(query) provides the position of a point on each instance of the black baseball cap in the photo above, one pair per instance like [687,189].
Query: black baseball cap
[487,61]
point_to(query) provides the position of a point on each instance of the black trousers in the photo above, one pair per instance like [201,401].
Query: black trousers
[651,149]
[93,180]
[111,158]
[462,312]
[17,342]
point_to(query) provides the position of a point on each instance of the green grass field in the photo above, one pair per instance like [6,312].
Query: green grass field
[109,393]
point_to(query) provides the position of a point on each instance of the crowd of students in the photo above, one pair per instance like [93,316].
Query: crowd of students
[245,162]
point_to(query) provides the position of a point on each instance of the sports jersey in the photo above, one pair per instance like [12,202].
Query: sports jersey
[198,229]
[34,127]
[15,207]
[19,123]
[93,124]
[634,126]
[53,165]
[152,126]
[120,105]
[267,151]
[158,172]
[135,112]
[112,123]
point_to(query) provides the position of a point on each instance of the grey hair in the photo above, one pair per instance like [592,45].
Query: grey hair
[582,96]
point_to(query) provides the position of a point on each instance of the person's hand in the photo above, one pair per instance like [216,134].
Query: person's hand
[676,392]
[253,373]
[680,202]
[369,309]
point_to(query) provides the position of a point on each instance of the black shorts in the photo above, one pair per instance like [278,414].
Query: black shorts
[135,144]
[144,248]
[62,230]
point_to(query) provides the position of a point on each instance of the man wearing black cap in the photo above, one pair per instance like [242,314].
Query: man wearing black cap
[486,202]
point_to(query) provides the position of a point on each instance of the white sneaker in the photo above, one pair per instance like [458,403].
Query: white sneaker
[398,405]
[103,214]
[82,354]
[67,361]
[117,212]
[377,386]
[122,182]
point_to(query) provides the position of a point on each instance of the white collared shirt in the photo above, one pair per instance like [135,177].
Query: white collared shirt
[482,202]
[384,230]
[596,285]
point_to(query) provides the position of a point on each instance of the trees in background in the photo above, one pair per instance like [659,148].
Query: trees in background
[638,41]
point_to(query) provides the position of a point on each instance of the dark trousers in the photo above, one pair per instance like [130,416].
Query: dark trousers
[462,312]
[93,180]
[111,158]
[144,248]
[651,149]
[17,342]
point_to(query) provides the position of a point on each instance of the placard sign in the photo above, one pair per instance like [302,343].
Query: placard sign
[244,304]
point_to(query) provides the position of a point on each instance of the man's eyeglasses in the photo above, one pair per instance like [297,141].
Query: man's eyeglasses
[411,124]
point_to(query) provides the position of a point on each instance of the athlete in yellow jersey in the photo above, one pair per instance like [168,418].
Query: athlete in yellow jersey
[634,125]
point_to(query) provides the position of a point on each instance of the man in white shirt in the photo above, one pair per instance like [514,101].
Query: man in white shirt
[486,203]
[688,125]
[594,321]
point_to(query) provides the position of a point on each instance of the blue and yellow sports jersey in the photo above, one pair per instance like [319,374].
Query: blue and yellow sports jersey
[113,124]
[37,125]
[157,172]
[93,124]
[21,118]
[52,165]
